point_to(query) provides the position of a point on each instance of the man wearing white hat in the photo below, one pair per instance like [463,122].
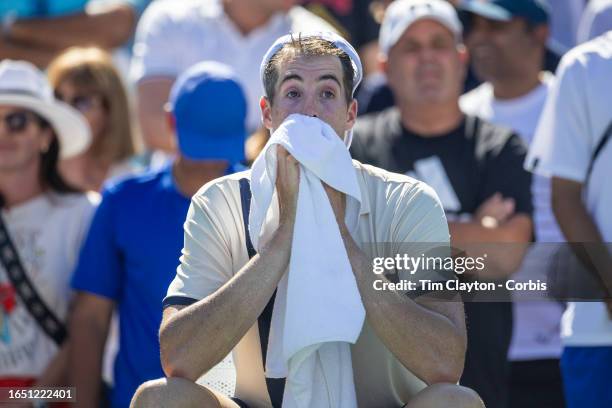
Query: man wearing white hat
[407,353]
[42,224]
[474,167]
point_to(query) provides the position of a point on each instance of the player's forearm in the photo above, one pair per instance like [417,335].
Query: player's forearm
[108,29]
[425,341]
[196,338]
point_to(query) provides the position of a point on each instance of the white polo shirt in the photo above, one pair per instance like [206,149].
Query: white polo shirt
[574,120]
[173,35]
[395,209]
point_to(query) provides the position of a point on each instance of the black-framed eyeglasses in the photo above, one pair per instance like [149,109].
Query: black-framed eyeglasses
[18,121]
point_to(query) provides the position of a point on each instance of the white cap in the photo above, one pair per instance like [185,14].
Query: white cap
[327,36]
[24,85]
[401,14]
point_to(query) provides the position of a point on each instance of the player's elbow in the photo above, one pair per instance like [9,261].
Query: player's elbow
[174,362]
[446,362]
[447,371]
[176,350]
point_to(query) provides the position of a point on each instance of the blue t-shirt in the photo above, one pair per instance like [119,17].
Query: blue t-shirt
[130,256]
[41,8]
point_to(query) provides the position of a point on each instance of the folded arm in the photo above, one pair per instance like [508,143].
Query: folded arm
[195,338]
[107,28]
[37,55]
[495,222]
[503,259]
[427,337]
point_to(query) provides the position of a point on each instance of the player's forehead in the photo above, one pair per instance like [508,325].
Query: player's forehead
[310,67]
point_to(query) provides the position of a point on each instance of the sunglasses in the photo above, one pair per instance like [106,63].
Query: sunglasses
[18,121]
[83,103]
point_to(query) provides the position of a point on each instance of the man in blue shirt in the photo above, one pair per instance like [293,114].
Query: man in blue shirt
[132,249]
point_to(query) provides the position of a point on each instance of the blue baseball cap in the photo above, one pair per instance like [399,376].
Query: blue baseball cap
[534,11]
[210,109]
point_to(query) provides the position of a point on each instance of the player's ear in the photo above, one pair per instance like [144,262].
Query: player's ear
[352,114]
[266,112]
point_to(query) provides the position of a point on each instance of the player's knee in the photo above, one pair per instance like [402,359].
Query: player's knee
[149,394]
[447,395]
[468,398]
[173,392]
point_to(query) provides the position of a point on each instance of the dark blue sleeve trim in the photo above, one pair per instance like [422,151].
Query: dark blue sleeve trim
[178,301]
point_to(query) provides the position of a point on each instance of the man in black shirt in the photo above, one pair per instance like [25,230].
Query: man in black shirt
[474,166]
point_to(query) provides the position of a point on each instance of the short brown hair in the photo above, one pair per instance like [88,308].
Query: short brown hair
[309,47]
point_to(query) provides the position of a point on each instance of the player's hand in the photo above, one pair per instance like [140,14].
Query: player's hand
[338,203]
[287,185]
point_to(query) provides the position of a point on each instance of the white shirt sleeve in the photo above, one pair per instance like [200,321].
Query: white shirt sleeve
[157,45]
[563,140]
[214,246]
[420,229]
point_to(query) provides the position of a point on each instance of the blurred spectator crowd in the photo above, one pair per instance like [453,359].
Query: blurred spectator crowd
[113,114]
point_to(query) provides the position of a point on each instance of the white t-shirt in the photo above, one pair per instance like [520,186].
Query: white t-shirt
[172,36]
[536,324]
[47,232]
[575,117]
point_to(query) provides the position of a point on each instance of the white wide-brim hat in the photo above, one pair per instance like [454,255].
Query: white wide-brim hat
[25,86]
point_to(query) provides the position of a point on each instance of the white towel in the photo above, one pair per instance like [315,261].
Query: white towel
[318,309]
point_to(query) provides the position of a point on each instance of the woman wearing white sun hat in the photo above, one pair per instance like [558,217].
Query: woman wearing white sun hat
[42,223]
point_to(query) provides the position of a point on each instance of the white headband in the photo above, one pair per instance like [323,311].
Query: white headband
[333,38]
[327,36]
